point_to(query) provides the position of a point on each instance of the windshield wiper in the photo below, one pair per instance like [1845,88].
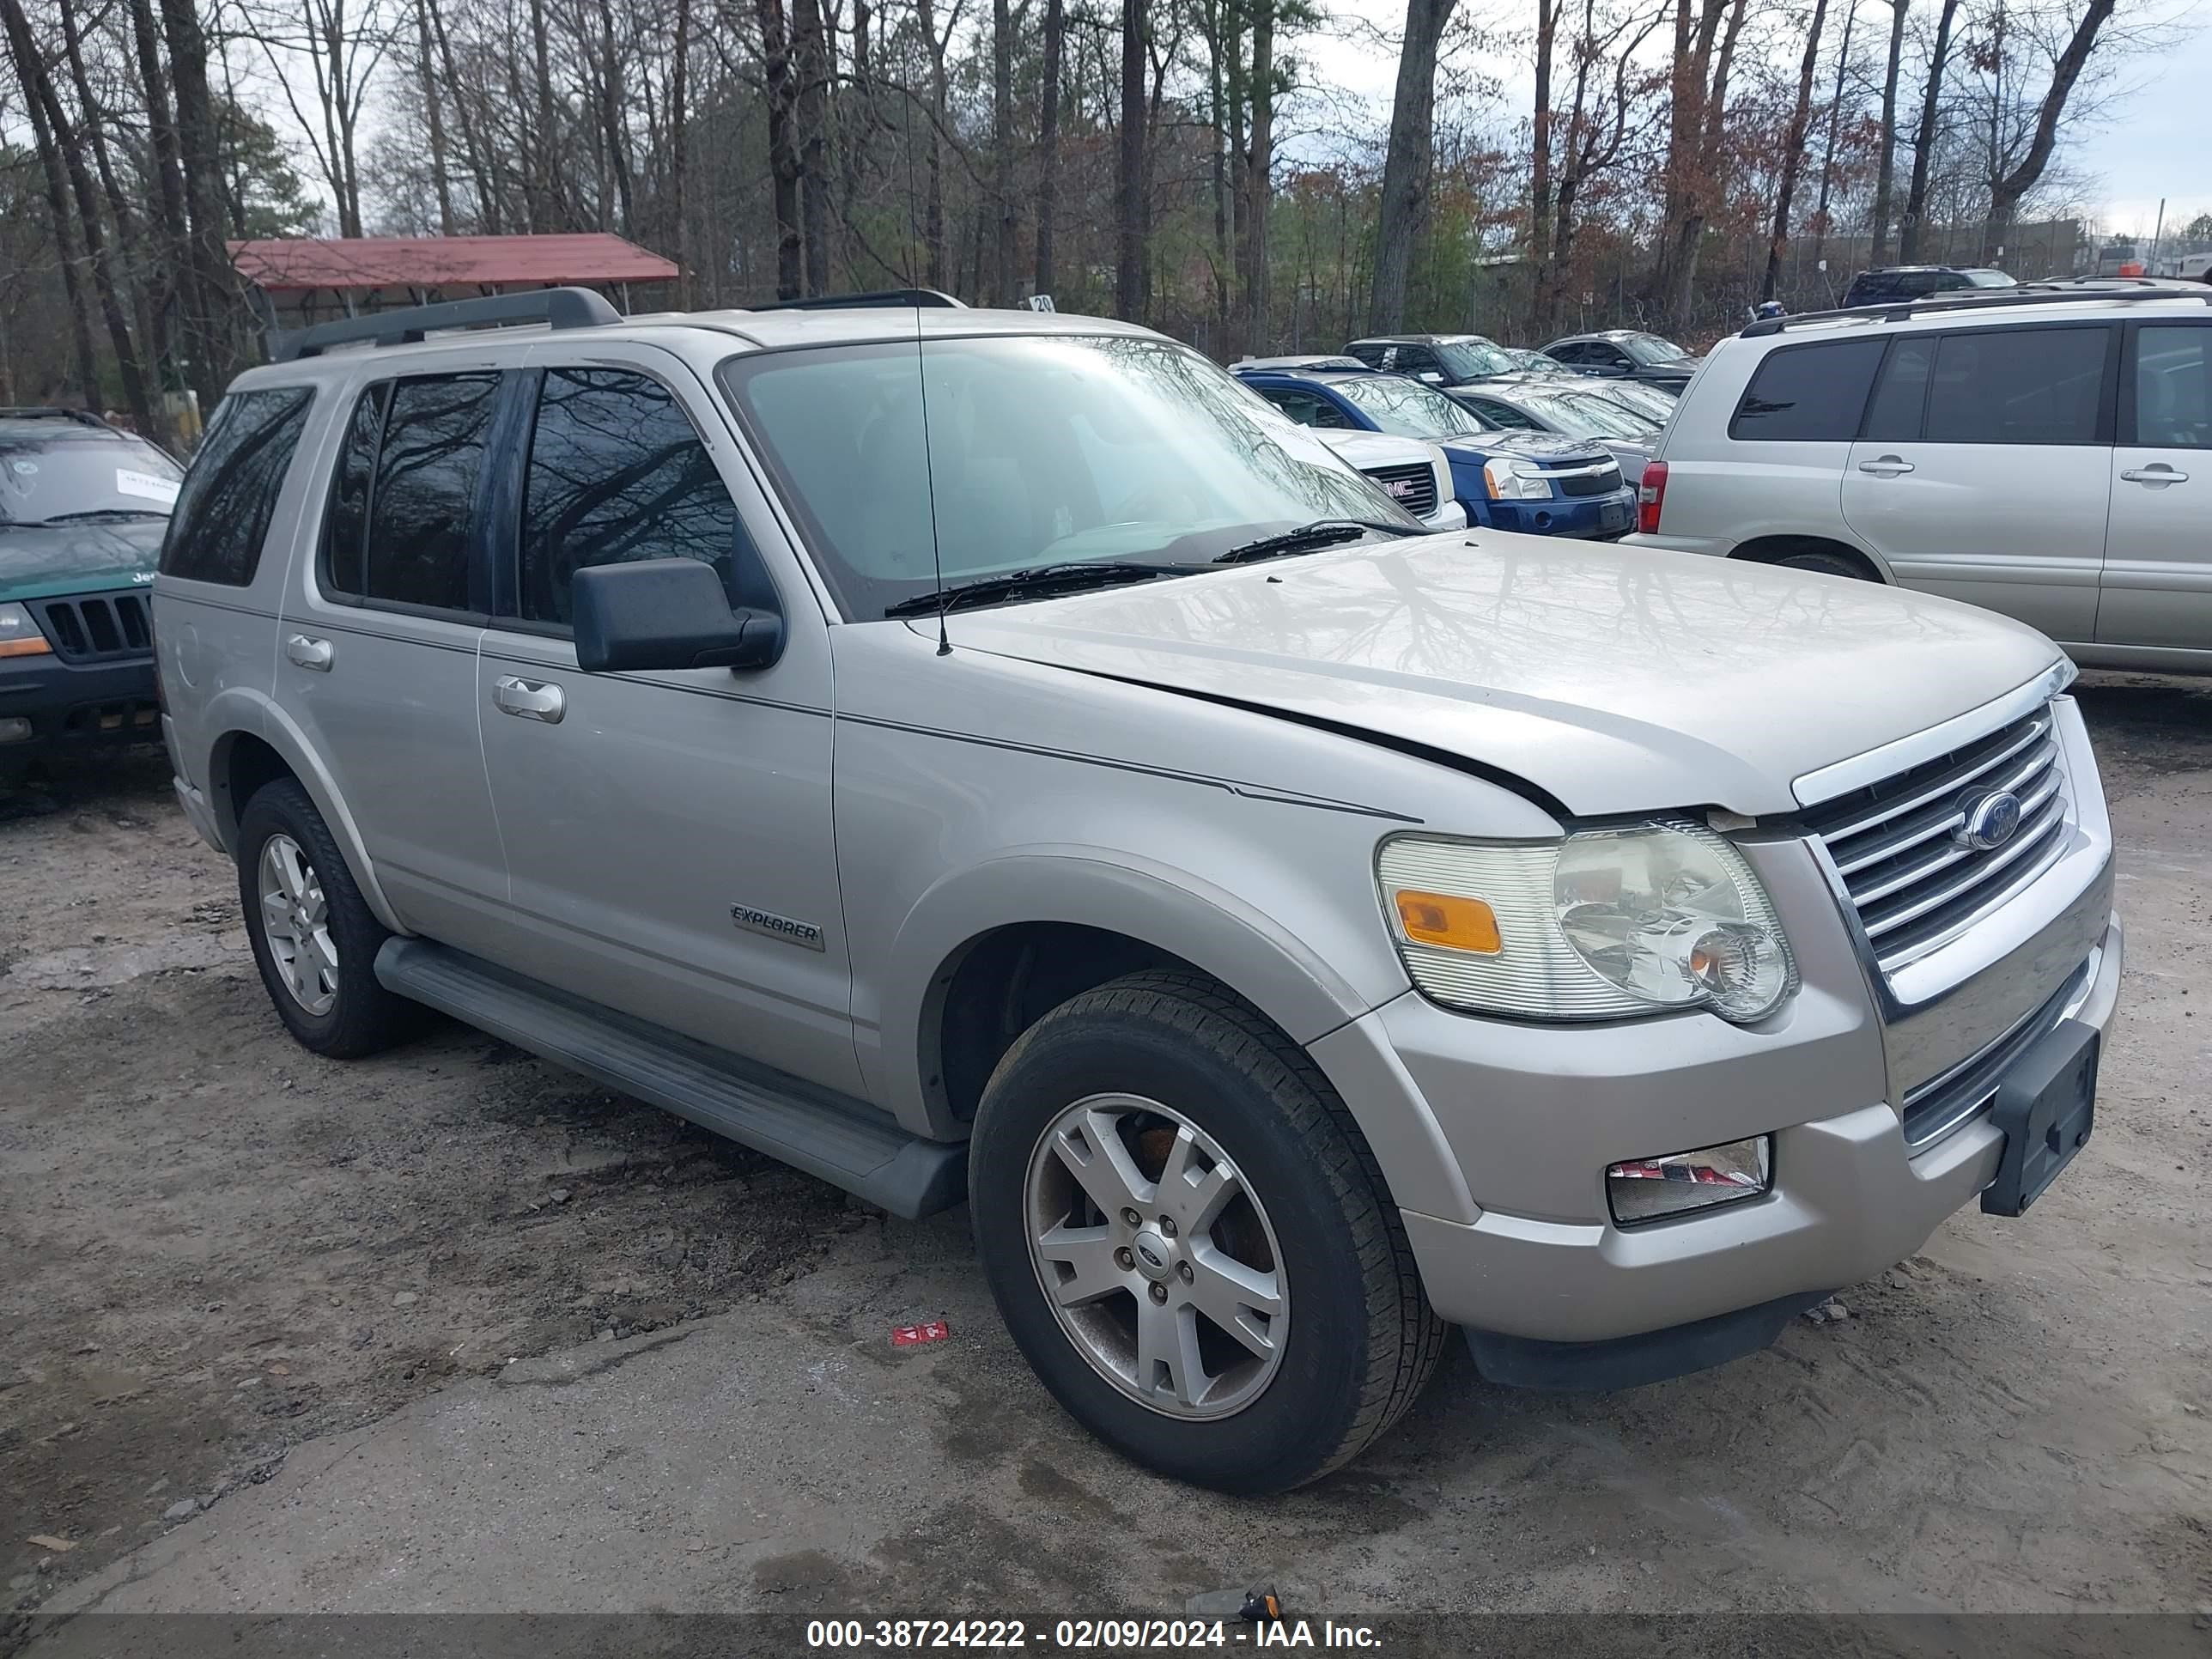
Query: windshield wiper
[1074,574]
[91,514]
[1321,532]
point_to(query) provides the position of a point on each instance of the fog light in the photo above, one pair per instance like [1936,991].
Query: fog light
[15,731]
[1647,1189]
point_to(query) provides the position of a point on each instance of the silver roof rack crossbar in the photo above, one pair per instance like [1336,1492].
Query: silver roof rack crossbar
[2026,294]
[559,308]
[929,297]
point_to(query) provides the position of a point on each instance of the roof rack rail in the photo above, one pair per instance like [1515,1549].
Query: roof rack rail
[559,307]
[2063,291]
[51,412]
[882,298]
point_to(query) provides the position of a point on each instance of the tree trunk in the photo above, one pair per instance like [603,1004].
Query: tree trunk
[1793,150]
[1129,268]
[434,111]
[783,164]
[1924,143]
[2007,189]
[545,171]
[1835,121]
[613,124]
[932,221]
[1055,34]
[810,102]
[1405,164]
[213,346]
[57,213]
[490,219]
[679,152]
[1259,175]
[1540,174]
[1004,211]
[1885,176]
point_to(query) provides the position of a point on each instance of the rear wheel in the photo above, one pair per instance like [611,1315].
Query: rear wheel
[1190,1241]
[1827,564]
[314,937]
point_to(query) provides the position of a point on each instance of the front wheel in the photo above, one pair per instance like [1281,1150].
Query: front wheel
[1190,1241]
[1827,564]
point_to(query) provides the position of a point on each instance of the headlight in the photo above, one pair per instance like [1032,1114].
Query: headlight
[1605,923]
[1515,481]
[19,635]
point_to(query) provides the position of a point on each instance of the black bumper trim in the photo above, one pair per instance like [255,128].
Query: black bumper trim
[1629,1362]
[65,702]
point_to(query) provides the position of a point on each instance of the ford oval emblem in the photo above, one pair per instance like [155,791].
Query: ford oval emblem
[1991,821]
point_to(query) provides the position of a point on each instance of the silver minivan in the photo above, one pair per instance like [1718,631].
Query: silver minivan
[2044,451]
[980,755]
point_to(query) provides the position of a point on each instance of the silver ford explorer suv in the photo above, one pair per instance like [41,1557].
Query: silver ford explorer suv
[976,755]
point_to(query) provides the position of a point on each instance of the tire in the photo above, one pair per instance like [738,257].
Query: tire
[1827,564]
[342,1014]
[1352,1340]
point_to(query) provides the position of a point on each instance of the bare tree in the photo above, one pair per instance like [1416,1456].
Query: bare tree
[2008,184]
[1056,38]
[1793,149]
[1924,143]
[1404,209]
[1129,272]
[1886,167]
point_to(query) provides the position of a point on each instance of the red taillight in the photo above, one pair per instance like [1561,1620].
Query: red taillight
[1651,497]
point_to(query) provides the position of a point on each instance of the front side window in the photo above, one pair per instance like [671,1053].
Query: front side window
[1307,409]
[2173,387]
[1408,409]
[617,473]
[223,512]
[2017,386]
[987,455]
[422,506]
[1808,393]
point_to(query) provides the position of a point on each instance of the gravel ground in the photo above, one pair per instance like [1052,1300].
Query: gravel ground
[218,1247]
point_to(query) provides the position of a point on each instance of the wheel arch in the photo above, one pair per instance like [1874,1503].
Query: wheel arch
[1773,550]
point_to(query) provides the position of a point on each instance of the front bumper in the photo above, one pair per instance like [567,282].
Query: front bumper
[1589,517]
[78,704]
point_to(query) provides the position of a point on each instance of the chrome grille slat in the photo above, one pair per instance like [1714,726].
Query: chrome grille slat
[1941,818]
[1916,889]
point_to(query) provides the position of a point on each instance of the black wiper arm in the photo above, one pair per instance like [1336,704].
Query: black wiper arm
[1009,584]
[1323,533]
[90,513]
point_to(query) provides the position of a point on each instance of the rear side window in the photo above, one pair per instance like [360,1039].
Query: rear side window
[2040,385]
[422,491]
[1808,393]
[2173,388]
[223,514]
[617,473]
[346,539]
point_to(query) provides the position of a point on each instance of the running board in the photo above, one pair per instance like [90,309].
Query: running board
[843,1141]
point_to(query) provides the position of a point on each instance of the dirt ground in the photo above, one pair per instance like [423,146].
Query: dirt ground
[215,1246]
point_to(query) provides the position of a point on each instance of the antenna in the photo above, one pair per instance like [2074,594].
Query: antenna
[929,475]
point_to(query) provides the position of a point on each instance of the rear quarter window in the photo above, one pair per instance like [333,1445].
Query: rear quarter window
[1807,393]
[229,495]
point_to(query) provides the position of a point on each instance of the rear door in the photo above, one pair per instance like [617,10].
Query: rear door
[1982,470]
[2157,588]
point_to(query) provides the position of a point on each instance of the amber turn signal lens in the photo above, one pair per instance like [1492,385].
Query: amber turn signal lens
[1444,919]
[35,646]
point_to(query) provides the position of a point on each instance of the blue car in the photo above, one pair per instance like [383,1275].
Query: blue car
[1539,483]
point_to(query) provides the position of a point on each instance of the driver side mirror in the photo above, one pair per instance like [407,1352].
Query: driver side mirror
[1430,377]
[664,614]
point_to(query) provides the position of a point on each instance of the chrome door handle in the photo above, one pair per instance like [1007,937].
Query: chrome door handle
[2158,473]
[1886,466]
[310,654]
[529,700]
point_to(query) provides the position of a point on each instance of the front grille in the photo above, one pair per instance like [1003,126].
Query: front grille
[97,627]
[1963,1093]
[1897,843]
[1413,488]
[1591,483]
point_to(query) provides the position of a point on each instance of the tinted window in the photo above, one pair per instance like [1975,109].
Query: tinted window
[345,536]
[1573,352]
[1808,392]
[421,510]
[1502,415]
[2174,388]
[1369,355]
[2017,386]
[617,473]
[223,514]
[1902,392]
[1306,408]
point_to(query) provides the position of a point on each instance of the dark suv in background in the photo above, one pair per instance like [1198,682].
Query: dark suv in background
[1891,284]
[83,506]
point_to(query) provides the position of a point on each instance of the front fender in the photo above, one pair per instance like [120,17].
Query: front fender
[238,711]
[1220,933]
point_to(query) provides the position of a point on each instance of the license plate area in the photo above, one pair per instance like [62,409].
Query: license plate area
[2046,1106]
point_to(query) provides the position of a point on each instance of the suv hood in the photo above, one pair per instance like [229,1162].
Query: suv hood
[1524,446]
[39,560]
[1613,679]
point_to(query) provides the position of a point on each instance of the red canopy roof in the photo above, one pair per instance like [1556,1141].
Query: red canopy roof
[293,264]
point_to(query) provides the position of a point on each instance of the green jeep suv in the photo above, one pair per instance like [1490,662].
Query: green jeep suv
[83,506]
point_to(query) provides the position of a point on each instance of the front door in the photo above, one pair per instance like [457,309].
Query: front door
[1981,472]
[2158,550]
[668,835]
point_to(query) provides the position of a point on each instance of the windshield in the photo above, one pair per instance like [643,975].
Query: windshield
[991,455]
[1650,349]
[1473,360]
[1579,415]
[1408,408]
[53,476]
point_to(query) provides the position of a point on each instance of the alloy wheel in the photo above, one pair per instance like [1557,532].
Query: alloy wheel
[295,922]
